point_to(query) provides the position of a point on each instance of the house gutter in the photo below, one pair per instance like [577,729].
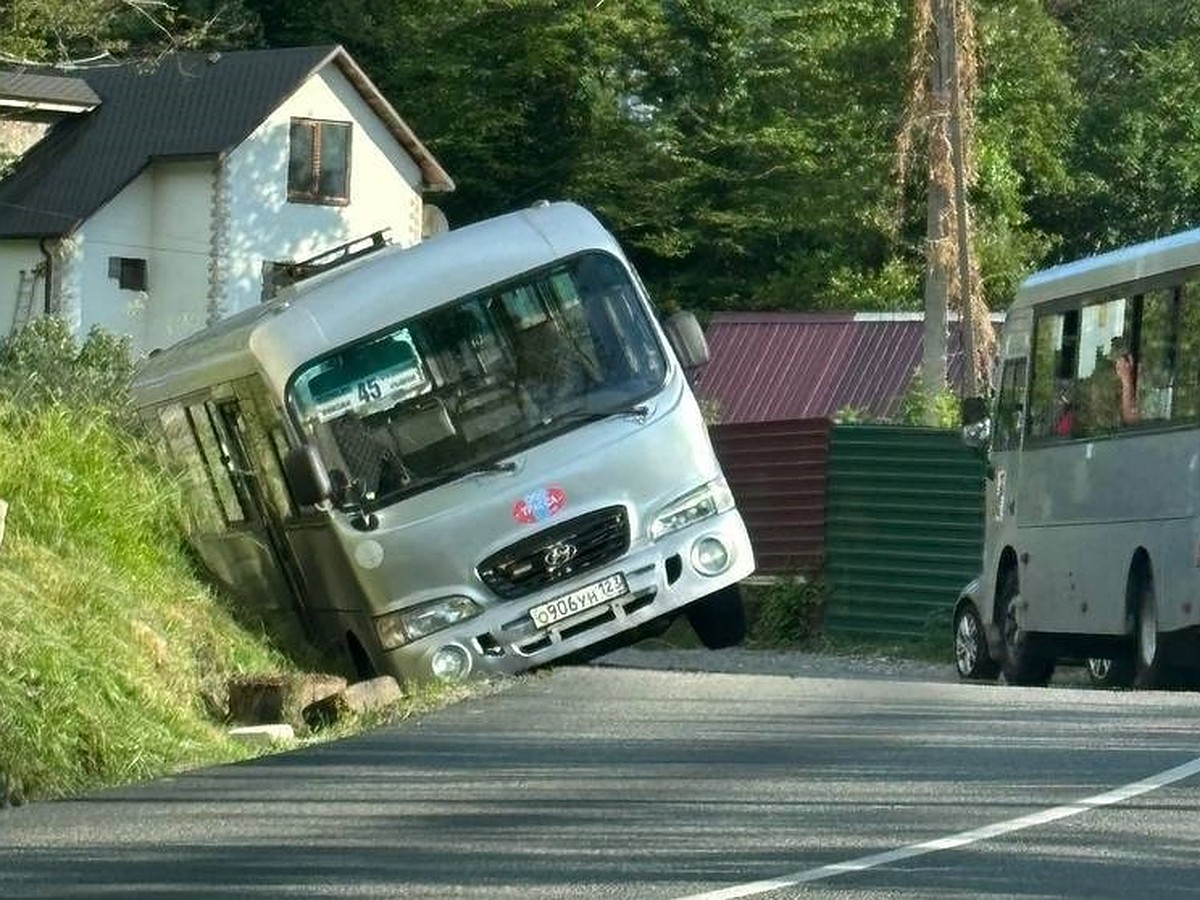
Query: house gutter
[47,293]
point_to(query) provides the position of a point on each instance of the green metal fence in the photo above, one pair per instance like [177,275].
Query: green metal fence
[904,528]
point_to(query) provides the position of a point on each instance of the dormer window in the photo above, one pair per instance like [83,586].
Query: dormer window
[319,162]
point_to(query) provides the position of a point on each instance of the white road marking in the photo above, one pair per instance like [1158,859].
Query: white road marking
[962,839]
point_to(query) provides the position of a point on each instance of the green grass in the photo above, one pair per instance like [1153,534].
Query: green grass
[113,655]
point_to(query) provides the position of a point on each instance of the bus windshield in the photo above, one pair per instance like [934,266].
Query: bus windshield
[461,386]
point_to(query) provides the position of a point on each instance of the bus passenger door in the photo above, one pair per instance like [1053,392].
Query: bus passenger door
[259,559]
[1000,526]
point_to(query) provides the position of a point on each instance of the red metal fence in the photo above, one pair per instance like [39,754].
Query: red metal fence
[778,473]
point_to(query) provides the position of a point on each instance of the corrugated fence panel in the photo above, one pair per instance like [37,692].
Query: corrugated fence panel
[777,471]
[904,529]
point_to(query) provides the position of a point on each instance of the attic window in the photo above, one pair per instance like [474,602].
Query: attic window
[129,273]
[319,162]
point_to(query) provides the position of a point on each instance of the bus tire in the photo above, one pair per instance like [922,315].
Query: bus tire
[1151,670]
[1023,663]
[972,660]
[360,660]
[718,619]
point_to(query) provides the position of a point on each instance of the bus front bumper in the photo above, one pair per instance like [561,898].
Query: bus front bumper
[656,580]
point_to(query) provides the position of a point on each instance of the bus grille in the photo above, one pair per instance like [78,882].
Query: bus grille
[557,553]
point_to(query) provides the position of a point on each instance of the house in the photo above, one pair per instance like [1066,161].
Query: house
[771,366]
[152,202]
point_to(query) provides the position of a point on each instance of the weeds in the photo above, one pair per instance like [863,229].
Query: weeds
[789,612]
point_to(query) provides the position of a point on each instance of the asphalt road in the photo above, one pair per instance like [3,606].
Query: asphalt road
[640,778]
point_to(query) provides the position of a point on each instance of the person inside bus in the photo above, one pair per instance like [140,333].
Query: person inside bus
[1105,400]
[1126,369]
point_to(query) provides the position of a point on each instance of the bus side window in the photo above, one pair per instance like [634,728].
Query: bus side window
[217,464]
[1010,405]
[262,433]
[204,506]
[1156,356]
[1053,365]
[1185,405]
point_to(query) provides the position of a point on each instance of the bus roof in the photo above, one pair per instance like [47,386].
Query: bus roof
[366,295]
[1145,260]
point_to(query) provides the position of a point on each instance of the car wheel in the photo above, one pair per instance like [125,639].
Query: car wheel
[971,657]
[719,619]
[1023,664]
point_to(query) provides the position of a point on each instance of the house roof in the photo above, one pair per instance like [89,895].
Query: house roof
[767,366]
[30,90]
[187,105]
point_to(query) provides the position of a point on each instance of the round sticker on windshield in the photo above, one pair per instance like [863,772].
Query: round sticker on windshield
[542,504]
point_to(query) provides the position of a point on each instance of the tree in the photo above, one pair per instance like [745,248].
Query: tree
[940,113]
[739,150]
[73,31]
[1136,156]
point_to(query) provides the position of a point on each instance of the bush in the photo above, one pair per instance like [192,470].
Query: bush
[790,612]
[42,365]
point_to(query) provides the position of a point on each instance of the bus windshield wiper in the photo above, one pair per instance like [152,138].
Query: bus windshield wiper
[496,467]
[638,411]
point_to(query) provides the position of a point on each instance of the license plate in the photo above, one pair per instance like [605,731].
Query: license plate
[577,601]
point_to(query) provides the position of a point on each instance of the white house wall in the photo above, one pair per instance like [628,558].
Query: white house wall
[257,224]
[178,274]
[16,256]
[121,227]
[161,217]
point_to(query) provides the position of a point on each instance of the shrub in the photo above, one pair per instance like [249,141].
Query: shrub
[42,364]
[790,612]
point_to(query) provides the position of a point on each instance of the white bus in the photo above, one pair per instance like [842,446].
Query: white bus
[469,457]
[1092,539]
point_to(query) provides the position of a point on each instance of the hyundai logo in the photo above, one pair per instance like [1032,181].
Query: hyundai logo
[558,555]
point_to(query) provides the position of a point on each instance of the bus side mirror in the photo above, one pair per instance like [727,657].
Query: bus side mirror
[687,339]
[307,476]
[976,423]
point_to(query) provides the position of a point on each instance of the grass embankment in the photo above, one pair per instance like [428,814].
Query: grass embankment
[113,656]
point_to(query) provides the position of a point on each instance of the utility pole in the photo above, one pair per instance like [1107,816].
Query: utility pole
[937,272]
[966,301]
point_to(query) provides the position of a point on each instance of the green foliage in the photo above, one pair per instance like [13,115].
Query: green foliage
[108,645]
[63,31]
[1136,156]
[789,612]
[938,409]
[918,406]
[852,415]
[42,365]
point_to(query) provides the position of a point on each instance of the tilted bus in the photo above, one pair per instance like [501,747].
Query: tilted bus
[468,457]
[1092,536]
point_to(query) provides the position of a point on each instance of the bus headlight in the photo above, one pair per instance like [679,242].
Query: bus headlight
[403,626]
[694,506]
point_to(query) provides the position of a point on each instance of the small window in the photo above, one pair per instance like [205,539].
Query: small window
[130,274]
[218,460]
[1010,409]
[319,162]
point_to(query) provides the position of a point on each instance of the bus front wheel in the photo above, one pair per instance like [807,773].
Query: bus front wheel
[1023,664]
[719,620]
[1151,670]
